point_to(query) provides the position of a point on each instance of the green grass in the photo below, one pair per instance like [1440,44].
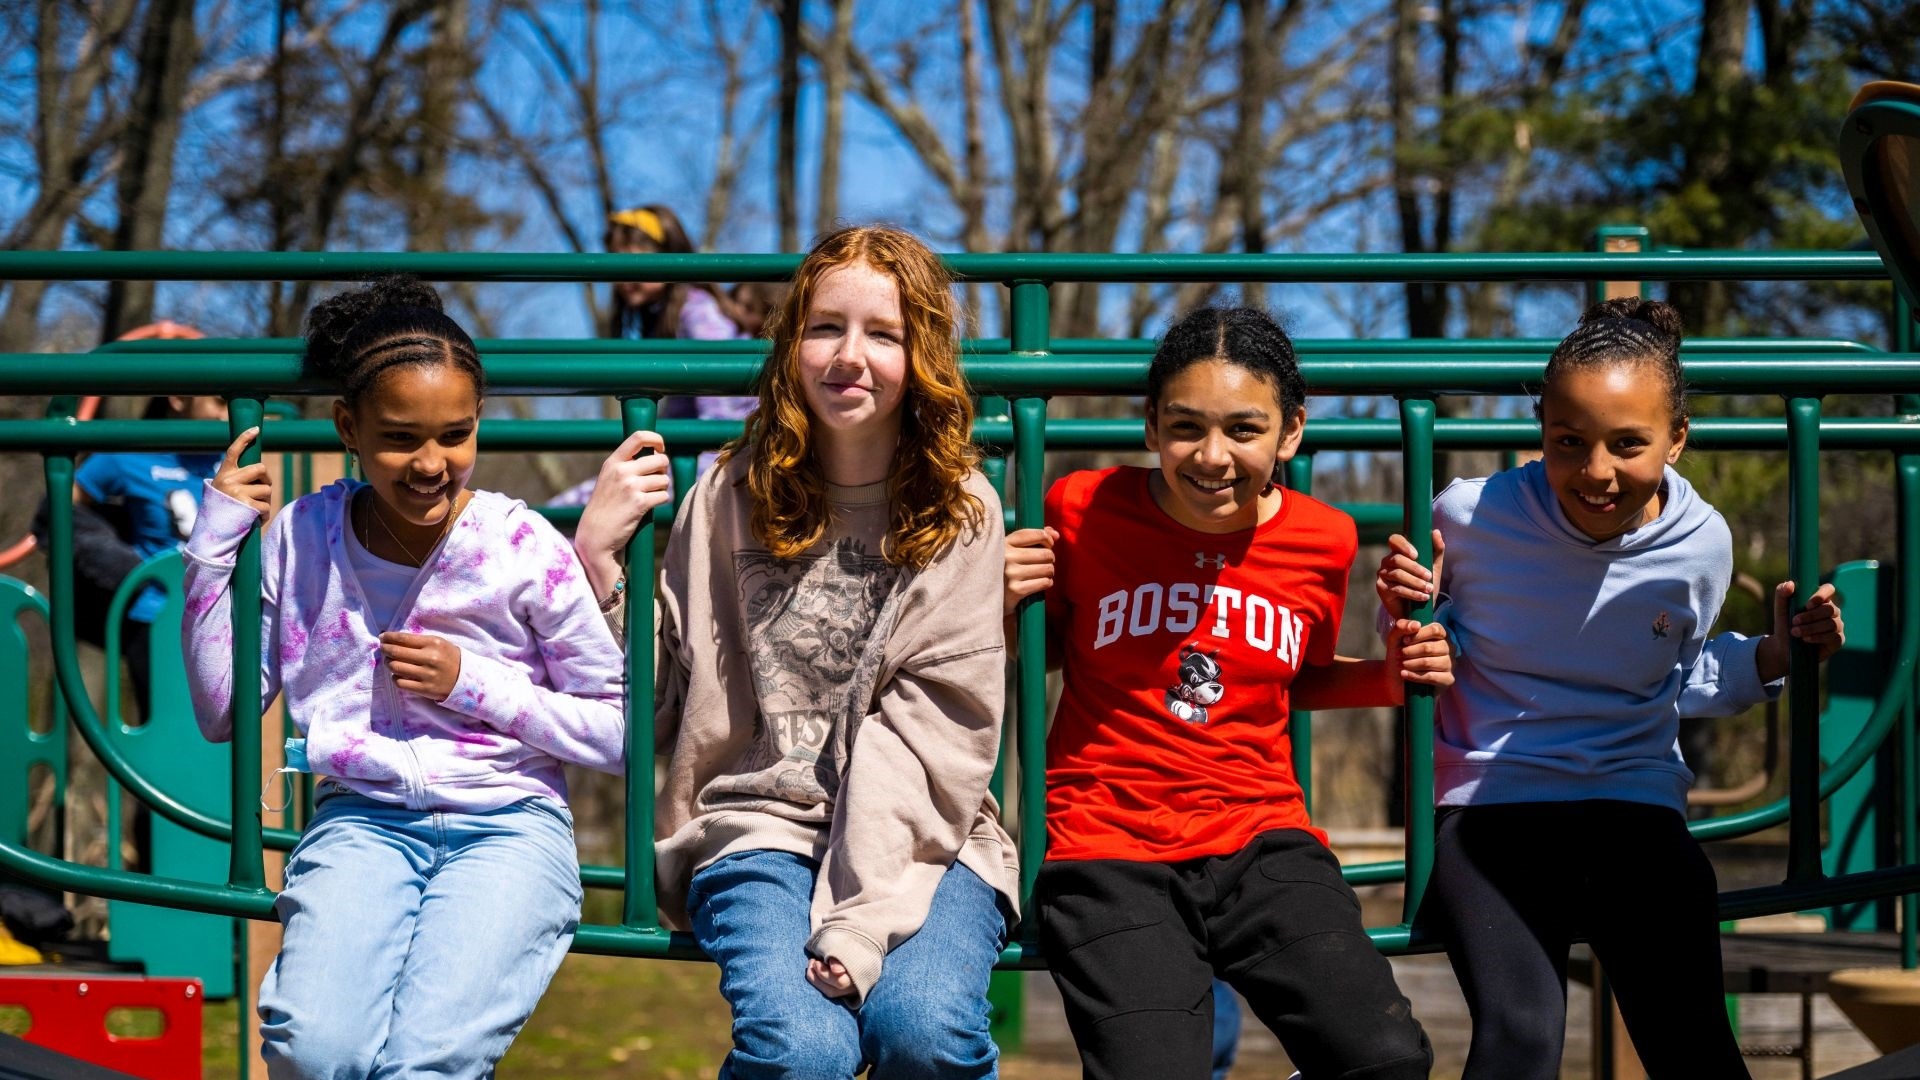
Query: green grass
[605,1018]
[610,1017]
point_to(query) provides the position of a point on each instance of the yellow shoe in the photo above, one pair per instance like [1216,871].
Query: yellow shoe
[14,954]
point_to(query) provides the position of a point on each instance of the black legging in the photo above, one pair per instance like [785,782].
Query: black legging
[1514,885]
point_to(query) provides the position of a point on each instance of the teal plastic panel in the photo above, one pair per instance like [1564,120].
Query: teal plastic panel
[21,748]
[168,748]
[1860,814]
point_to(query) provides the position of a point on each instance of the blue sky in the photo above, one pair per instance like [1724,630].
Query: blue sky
[663,144]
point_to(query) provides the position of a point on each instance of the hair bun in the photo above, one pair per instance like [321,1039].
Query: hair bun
[1662,316]
[332,321]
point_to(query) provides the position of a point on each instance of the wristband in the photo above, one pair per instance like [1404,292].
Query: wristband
[613,599]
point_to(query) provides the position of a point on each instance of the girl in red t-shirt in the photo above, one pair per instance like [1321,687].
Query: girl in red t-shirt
[1191,607]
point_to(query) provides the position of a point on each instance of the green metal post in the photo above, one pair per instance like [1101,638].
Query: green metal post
[1618,240]
[1416,427]
[640,908]
[1803,687]
[1907,468]
[1029,426]
[1907,474]
[73,689]
[247,870]
[1029,315]
[1300,722]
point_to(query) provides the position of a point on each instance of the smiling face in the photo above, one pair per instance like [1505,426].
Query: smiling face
[1609,436]
[1220,431]
[853,355]
[415,432]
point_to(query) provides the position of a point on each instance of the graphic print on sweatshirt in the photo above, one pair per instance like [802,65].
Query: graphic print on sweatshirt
[816,630]
[1199,686]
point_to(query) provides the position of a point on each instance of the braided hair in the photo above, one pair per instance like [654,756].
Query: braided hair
[1243,336]
[1623,331]
[395,321]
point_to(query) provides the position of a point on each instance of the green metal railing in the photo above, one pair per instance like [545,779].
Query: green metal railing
[1027,368]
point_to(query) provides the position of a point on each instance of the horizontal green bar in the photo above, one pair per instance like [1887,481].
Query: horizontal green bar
[1306,347]
[55,873]
[596,436]
[1049,267]
[1015,374]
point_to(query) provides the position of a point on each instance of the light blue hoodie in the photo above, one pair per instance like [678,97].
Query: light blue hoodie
[1578,659]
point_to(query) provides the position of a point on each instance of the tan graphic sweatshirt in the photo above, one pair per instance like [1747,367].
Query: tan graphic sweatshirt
[834,706]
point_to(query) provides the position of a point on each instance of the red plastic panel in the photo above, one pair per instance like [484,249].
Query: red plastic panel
[69,1016]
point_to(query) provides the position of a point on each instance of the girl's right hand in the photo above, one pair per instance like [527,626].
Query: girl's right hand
[1029,564]
[250,484]
[1402,579]
[631,485]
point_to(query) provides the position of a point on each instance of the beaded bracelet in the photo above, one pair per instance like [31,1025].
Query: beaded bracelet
[614,598]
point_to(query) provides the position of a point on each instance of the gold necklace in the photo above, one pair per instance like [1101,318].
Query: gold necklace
[373,510]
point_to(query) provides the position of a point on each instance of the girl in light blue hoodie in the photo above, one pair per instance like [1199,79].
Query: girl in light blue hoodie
[1580,589]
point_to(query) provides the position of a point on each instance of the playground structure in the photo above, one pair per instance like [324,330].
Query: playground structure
[1858,760]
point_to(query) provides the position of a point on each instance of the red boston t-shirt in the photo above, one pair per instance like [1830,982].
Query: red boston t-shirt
[1172,738]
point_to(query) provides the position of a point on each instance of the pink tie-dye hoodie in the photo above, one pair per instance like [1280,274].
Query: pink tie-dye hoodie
[540,673]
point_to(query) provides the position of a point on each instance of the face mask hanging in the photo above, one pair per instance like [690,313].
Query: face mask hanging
[296,763]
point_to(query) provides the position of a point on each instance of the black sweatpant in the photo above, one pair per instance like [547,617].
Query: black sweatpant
[1514,885]
[1134,947]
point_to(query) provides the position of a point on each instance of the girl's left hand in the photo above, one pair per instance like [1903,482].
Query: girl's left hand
[829,977]
[422,663]
[1819,626]
[1420,653]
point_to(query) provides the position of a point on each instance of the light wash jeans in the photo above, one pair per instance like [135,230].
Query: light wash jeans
[926,1017]
[416,943]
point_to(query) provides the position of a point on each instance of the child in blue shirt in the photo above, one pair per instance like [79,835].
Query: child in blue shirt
[155,496]
[1580,590]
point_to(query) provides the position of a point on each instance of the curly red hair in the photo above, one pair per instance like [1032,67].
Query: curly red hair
[926,485]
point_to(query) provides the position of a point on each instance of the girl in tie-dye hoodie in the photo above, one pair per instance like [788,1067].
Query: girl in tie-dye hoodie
[442,657]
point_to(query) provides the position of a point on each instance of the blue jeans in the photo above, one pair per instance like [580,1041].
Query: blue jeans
[925,1017]
[1226,1028]
[416,943]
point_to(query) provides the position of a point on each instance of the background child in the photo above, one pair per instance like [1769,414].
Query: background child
[1193,607]
[442,656]
[1581,588]
[695,311]
[129,507]
[832,710]
[752,303]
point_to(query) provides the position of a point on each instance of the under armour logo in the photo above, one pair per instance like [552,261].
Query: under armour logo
[1202,560]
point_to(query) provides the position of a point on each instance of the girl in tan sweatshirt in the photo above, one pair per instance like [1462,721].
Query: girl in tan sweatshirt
[830,685]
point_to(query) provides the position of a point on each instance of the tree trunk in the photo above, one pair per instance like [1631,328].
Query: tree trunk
[282,321]
[167,52]
[1718,74]
[973,196]
[726,155]
[1426,302]
[833,73]
[429,228]
[68,134]
[786,170]
[1240,174]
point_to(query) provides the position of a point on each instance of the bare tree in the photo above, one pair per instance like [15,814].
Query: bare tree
[786,171]
[167,52]
[833,79]
[76,124]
